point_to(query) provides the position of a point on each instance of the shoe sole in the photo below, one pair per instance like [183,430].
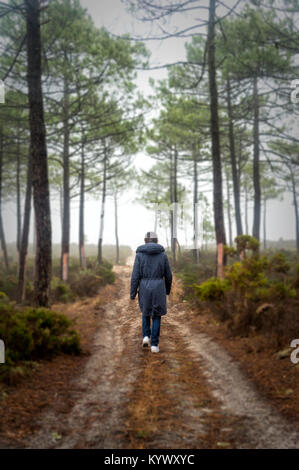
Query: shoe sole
[145,345]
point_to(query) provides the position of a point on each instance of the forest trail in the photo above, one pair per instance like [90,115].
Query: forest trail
[190,395]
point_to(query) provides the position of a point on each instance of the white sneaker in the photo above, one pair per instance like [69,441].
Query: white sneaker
[145,341]
[155,349]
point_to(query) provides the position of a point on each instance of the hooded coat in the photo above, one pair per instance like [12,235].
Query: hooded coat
[152,275]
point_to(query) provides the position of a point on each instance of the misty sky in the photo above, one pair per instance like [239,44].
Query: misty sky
[134,220]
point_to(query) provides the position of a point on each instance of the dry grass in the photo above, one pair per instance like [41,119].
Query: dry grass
[276,379]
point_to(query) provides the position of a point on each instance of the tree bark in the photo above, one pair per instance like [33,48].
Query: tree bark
[116,227]
[81,210]
[156,220]
[25,235]
[295,202]
[38,149]
[235,176]
[195,209]
[174,241]
[2,234]
[246,212]
[18,191]
[166,235]
[264,225]
[229,218]
[172,212]
[216,156]
[102,218]
[65,242]
[256,164]
[34,232]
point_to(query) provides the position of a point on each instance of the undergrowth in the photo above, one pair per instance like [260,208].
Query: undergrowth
[31,334]
[258,293]
[81,282]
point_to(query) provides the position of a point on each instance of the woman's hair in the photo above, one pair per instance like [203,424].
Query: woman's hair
[151,240]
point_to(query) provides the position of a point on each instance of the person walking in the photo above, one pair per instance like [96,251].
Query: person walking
[151,279]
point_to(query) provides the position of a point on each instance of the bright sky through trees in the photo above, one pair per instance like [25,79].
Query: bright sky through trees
[134,219]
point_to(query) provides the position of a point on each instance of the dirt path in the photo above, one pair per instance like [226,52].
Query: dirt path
[190,395]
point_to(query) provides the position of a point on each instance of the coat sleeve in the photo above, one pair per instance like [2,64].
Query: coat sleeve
[167,275]
[135,278]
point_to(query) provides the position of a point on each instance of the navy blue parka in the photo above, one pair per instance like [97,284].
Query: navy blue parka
[151,278]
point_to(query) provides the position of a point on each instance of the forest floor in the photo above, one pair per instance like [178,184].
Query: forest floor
[202,390]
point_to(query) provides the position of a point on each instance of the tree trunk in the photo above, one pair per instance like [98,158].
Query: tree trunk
[156,221]
[25,235]
[256,165]
[235,176]
[264,225]
[246,212]
[34,237]
[34,233]
[229,218]
[174,241]
[214,126]
[65,243]
[18,194]
[172,212]
[81,211]
[166,235]
[186,234]
[2,235]
[295,202]
[195,209]
[38,149]
[116,228]
[100,254]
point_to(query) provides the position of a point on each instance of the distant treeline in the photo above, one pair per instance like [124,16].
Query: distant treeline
[280,244]
[109,251]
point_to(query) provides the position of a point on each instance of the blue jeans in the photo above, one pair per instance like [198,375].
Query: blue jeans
[146,328]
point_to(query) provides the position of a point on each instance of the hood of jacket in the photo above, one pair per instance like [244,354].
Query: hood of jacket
[150,248]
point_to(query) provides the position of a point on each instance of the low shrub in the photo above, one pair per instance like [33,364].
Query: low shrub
[281,291]
[279,264]
[32,334]
[105,272]
[8,284]
[245,243]
[212,289]
[258,292]
[87,284]
[191,273]
[246,276]
[29,292]
[296,278]
[61,291]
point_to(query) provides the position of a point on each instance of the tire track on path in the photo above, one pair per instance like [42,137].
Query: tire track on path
[100,393]
[261,425]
